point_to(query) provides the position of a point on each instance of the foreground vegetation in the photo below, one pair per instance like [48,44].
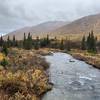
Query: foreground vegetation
[23,75]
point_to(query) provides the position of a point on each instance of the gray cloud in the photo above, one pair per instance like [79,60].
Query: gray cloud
[19,13]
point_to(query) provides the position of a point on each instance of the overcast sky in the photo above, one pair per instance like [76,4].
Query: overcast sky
[15,14]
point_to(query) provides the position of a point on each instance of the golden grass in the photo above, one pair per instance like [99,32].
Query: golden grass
[21,83]
[72,37]
[90,58]
[2,56]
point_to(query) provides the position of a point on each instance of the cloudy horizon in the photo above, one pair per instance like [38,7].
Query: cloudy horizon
[17,14]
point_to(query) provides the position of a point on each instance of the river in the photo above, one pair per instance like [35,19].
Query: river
[72,79]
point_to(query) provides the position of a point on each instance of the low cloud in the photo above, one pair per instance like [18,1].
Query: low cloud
[16,14]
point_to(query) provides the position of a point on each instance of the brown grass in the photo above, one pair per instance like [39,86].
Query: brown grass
[25,77]
[90,58]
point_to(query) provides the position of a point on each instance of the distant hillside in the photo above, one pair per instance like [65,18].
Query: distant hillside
[42,28]
[59,28]
[80,26]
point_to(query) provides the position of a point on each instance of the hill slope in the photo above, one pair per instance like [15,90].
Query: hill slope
[42,28]
[83,25]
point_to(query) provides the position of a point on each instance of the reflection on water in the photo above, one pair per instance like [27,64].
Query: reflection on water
[72,79]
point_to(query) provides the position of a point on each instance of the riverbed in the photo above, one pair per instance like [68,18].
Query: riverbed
[72,79]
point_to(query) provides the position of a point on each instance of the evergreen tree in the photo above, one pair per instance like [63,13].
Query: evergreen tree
[27,42]
[55,45]
[37,44]
[8,42]
[62,45]
[4,63]
[14,42]
[88,41]
[43,42]
[47,40]
[5,49]
[67,44]
[1,41]
[24,41]
[83,43]
[91,42]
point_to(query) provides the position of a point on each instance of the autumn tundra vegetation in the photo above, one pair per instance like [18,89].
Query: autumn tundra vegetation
[23,72]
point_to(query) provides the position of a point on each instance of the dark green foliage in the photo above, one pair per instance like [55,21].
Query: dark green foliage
[14,42]
[1,41]
[5,49]
[69,47]
[62,45]
[91,43]
[45,42]
[8,42]
[67,44]
[24,41]
[37,44]
[4,62]
[27,43]
[55,43]
[88,41]
[83,43]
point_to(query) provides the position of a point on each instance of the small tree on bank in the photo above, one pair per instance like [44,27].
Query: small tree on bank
[62,44]
[5,49]
[8,42]
[1,41]
[83,43]
[14,42]
[91,42]
[27,42]
[67,44]
[37,43]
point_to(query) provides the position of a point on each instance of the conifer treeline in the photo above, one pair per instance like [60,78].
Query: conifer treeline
[29,43]
[87,43]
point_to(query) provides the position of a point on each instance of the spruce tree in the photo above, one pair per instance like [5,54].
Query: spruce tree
[24,41]
[83,43]
[8,42]
[62,45]
[47,40]
[27,43]
[88,41]
[55,43]
[5,49]
[14,42]
[37,44]
[91,42]
[1,41]
[67,44]
[43,42]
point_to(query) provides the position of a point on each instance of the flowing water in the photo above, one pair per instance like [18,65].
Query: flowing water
[72,79]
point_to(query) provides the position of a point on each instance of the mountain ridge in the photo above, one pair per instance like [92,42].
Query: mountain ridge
[54,28]
[82,25]
[41,28]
